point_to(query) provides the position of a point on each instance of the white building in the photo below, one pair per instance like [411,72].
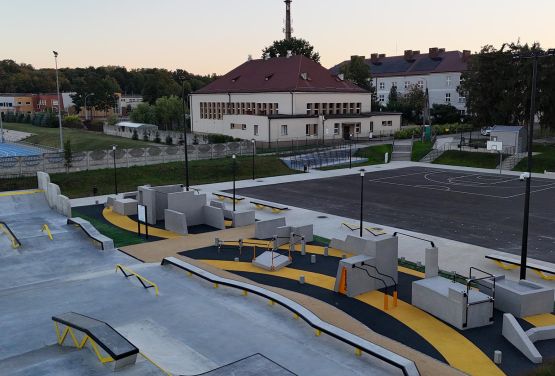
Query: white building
[7,103]
[439,71]
[127,103]
[286,98]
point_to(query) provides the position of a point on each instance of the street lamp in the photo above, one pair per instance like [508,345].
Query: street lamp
[59,102]
[361,198]
[234,173]
[534,56]
[253,152]
[185,134]
[114,147]
[1,129]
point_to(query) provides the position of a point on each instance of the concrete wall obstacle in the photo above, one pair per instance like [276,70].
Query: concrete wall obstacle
[243,218]
[432,262]
[176,222]
[189,203]
[214,217]
[147,197]
[267,229]
[125,206]
[306,231]
[357,281]
[53,195]
[43,180]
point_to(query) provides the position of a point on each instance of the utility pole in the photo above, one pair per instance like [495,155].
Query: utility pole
[59,102]
[287,19]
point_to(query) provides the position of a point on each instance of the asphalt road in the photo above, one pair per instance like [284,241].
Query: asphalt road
[480,209]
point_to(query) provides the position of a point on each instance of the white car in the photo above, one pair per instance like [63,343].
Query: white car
[486,131]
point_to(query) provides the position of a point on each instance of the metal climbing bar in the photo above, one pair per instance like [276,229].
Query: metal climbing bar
[395,289]
[414,237]
[46,229]
[147,284]
[385,300]
[6,230]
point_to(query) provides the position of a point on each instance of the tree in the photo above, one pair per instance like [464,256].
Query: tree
[143,113]
[169,111]
[445,114]
[393,96]
[297,46]
[357,71]
[68,155]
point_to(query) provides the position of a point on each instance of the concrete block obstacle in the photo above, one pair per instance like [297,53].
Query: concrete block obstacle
[243,218]
[270,260]
[513,332]
[214,217]
[110,201]
[125,206]
[520,298]
[43,180]
[267,229]
[175,221]
[104,242]
[453,302]
[108,344]
[432,262]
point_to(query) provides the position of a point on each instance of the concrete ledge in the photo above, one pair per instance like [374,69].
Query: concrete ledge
[105,242]
[512,331]
[125,206]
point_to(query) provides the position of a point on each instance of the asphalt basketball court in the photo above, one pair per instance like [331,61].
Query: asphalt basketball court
[476,208]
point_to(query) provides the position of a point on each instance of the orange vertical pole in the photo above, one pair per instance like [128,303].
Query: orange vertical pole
[395,298]
[385,302]
[343,281]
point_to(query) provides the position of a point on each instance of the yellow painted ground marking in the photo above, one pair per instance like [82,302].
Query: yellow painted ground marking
[412,272]
[128,224]
[452,345]
[18,193]
[546,319]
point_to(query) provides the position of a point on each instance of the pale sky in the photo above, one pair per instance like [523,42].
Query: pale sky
[214,36]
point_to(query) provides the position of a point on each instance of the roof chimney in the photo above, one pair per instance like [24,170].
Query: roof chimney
[304,76]
[341,77]
[381,56]
[441,50]
[373,58]
[465,55]
[433,52]
[249,58]
[408,55]
[416,52]
[266,56]
[289,53]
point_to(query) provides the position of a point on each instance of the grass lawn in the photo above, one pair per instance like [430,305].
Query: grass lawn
[420,149]
[541,162]
[81,140]
[468,159]
[374,154]
[120,237]
[79,184]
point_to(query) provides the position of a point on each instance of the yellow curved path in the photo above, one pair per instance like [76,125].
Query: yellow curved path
[546,319]
[126,223]
[453,346]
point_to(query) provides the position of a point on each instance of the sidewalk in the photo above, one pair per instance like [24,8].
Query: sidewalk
[453,255]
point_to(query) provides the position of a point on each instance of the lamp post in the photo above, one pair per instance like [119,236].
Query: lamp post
[534,56]
[1,129]
[350,151]
[234,173]
[185,134]
[361,198]
[114,147]
[253,152]
[59,102]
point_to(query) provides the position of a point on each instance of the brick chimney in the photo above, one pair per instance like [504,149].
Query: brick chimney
[441,50]
[465,55]
[416,52]
[433,52]
[381,56]
[408,55]
[373,57]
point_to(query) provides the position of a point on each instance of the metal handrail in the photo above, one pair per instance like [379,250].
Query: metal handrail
[6,229]
[382,274]
[371,276]
[130,273]
[415,237]
[469,283]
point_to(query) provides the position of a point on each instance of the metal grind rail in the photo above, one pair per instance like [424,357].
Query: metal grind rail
[407,366]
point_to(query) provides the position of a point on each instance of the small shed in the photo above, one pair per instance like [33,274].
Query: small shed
[128,127]
[512,136]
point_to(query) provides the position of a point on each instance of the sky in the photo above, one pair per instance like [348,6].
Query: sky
[214,36]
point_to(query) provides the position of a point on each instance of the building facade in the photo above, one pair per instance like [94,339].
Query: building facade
[286,98]
[438,71]
[128,103]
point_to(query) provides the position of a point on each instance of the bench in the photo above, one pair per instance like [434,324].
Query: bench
[105,242]
[107,343]
[510,263]
[222,196]
[275,208]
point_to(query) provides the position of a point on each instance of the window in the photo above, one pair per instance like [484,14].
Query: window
[462,112]
[284,130]
[309,108]
[462,100]
[421,85]
[448,81]
[371,126]
[27,102]
[255,129]
[54,102]
[238,126]
[311,129]
[448,97]
[394,84]
[357,128]
[387,123]
[407,84]
[381,97]
[382,85]
[336,128]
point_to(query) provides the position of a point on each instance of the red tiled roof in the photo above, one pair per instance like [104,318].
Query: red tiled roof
[279,74]
[447,61]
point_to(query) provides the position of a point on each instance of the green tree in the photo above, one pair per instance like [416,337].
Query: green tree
[393,96]
[143,113]
[68,155]
[357,71]
[297,46]
[445,114]
[169,112]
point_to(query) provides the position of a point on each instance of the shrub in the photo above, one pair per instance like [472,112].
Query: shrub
[112,119]
[219,138]
[169,140]
[72,121]
[157,137]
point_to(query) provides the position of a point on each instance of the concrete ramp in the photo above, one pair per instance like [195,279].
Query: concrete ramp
[22,202]
[264,261]
[253,365]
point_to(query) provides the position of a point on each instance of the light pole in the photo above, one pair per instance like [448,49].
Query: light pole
[350,151]
[234,173]
[1,129]
[59,102]
[185,134]
[114,147]
[534,56]
[253,152]
[361,198]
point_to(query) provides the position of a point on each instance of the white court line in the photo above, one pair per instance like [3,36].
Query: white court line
[398,176]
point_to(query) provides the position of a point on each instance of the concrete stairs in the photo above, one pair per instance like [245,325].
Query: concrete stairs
[402,151]
[510,162]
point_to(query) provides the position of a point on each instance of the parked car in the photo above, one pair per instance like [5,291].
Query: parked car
[486,131]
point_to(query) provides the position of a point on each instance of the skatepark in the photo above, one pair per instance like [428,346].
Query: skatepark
[279,282]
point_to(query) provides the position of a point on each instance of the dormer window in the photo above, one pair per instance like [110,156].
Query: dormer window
[234,79]
[304,76]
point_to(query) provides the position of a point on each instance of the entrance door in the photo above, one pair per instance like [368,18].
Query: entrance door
[348,129]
